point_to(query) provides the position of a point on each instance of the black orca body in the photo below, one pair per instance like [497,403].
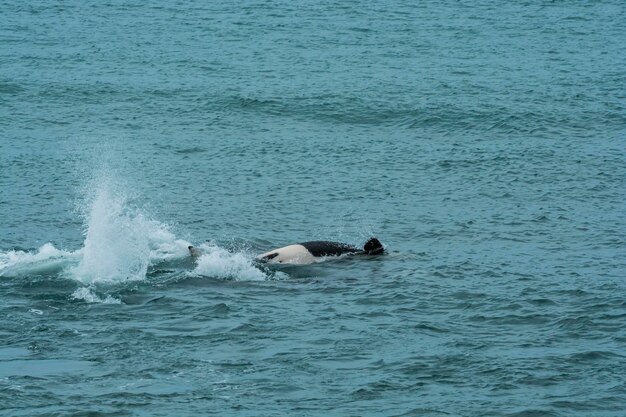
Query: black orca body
[317,250]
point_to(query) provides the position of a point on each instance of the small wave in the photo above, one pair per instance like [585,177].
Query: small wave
[594,355]
[532,412]
[46,260]
[329,108]
[10,88]
[195,149]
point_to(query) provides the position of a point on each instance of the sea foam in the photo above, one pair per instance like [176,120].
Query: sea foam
[46,260]
[88,295]
[217,262]
[121,243]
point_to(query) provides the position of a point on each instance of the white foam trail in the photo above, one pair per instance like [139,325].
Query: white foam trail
[88,295]
[47,259]
[219,263]
[121,243]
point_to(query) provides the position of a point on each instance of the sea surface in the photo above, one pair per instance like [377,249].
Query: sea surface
[483,142]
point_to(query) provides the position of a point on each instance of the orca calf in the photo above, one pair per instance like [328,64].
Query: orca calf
[311,252]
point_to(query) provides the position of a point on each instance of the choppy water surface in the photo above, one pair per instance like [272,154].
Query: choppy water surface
[483,144]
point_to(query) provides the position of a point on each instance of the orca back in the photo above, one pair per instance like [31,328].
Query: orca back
[319,248]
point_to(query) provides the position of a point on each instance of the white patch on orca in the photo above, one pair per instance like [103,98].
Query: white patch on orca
[292,254]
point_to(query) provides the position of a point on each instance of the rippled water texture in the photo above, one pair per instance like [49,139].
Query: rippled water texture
[482,143]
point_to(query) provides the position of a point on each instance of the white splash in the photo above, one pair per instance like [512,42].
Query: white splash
[89,296]
[220,263]
[120,241]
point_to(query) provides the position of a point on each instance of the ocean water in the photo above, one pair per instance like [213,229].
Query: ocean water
[484,143]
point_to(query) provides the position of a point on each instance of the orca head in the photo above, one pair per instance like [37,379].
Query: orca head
[373,247]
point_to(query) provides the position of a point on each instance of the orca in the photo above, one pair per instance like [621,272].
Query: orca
[314,251]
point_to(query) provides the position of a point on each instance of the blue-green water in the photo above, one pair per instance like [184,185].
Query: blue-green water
[484,144]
